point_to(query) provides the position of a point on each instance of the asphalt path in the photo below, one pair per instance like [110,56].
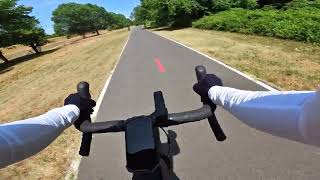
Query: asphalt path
[151,63]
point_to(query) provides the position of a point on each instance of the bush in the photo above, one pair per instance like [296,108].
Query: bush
[299,24]
[245,4]
[221,5]
[296,4]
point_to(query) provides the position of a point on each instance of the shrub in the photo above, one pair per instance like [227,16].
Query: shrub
[301,24]
[245,4]
[298,4]
[221,5]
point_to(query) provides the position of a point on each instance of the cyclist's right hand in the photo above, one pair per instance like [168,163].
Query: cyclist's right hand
[85,106]
[202,87]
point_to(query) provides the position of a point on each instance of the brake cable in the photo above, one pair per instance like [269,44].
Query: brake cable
[168,139]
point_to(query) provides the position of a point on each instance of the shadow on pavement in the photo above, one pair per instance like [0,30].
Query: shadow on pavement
[168,28]
[168,172]
[166,164]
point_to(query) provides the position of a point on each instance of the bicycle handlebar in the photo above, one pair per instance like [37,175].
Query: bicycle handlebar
[215,126]
[173,119]
[83,90]
[160,116]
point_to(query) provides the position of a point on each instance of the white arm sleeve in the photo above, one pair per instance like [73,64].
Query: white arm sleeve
[22,139]
[294,115]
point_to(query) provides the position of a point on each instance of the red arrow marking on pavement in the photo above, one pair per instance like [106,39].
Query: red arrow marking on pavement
[161,68]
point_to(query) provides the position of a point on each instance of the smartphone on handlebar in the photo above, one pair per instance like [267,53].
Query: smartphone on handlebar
[142,133]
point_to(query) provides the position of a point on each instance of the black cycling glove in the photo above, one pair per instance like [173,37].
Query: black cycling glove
[203,86]
[85,106]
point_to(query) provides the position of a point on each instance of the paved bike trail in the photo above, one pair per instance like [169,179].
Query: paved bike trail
[150,63]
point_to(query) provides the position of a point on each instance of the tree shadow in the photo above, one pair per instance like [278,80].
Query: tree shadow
[5,70]
[168,28]
[6,67]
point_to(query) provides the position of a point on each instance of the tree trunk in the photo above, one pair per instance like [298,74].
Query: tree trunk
[97,32]
[84,35]
[35,48]
[3,58]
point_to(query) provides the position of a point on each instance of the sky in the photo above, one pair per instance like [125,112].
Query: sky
[42,9]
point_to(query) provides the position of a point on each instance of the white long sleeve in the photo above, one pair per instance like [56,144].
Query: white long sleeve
[294,115]
[22,139]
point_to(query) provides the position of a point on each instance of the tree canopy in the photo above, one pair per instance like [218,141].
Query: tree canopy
[183,12]
[17,26]
[74,18]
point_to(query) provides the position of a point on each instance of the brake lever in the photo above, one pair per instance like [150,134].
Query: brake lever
[214,124]
[83,90]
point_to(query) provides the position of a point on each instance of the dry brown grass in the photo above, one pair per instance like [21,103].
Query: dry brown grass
[34,86]
[289,65]
[15,51]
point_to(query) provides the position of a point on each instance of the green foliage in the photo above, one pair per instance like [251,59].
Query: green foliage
[276,3]
[138,15]
[245,4]
[298,24]
[33,36]
[296,4]
[156,12]
[222,5]
[117,21]
[74,18]
[315,3]
[99,17]
[181,12]
[18,27]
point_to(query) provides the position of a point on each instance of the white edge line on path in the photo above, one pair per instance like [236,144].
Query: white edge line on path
[73,169]
[221,63]
[104,90]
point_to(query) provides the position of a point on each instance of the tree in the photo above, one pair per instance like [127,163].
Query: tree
[207,7]
[33,37]
[138,15]
[73,18]
[98,17]
[221,5]
[18,27]
[118,21]
[170,12]
[155,12]
[182,12]
[245,4]
[298,4]
[276,3]
[3,43]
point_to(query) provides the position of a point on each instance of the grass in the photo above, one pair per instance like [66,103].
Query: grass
[40,83]
[287,64]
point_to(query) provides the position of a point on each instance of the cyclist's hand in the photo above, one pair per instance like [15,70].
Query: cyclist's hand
[85,106]
[203,86]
